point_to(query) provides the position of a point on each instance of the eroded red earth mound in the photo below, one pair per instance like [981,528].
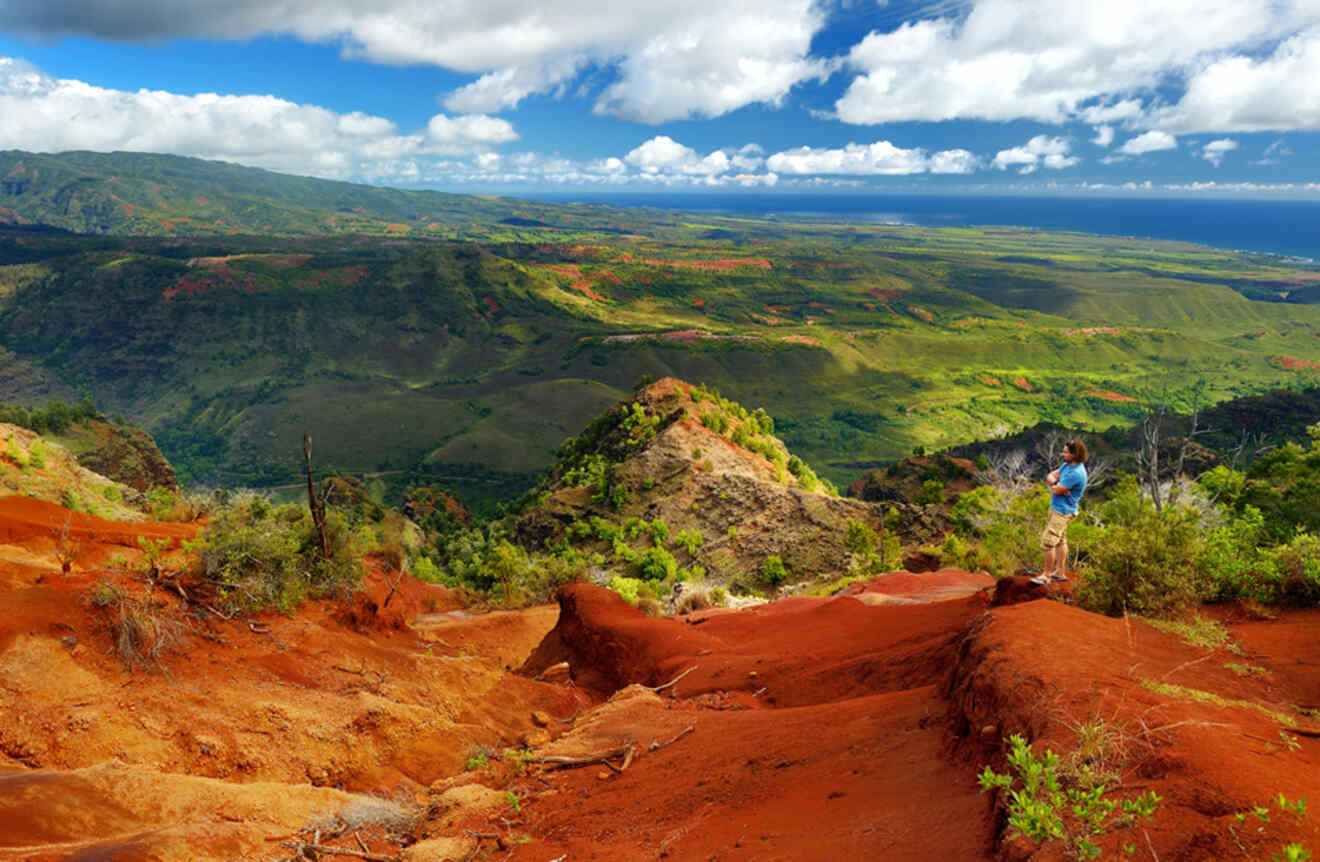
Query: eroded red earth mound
[839,728]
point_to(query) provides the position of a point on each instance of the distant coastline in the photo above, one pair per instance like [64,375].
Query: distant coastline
[1287,228]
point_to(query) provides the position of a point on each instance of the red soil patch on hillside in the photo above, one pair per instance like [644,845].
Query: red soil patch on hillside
[1293,364]
[25,520]
[577,281]
[887,294]
[918,311]
[1107,395]
[989,380]
[210,274]
[1024,384]
[801,339]
[702,265]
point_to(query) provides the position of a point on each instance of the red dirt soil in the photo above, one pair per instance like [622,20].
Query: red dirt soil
[833,728]
[1107,395]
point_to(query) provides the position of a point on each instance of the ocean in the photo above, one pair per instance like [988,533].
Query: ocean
[1290,228]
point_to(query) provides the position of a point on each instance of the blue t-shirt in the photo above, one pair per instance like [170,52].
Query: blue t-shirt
[1072,477]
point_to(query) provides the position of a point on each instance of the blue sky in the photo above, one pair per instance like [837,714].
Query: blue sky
[1121,96]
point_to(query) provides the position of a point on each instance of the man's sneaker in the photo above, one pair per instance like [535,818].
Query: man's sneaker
[1059,579]
[1041,580]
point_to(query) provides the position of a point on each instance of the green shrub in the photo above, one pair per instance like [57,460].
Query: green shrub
[715,421]
[805,475]
[425,570]
[1146,560]
[605,530]
[861,539]
[689,540]
[932,491]
[773,571]
[659,532]
[626,587]
[1003,526]
[261,557]
[656,564]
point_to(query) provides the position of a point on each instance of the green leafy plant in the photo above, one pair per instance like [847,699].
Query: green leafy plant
[773,571]
[1041,809]
[690,540]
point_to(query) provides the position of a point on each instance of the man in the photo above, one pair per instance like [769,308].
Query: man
[1066,485]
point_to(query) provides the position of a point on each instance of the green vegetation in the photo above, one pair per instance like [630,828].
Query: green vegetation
[1041,808]
[227,309]
[54,418]
[1208,697]
[261,557]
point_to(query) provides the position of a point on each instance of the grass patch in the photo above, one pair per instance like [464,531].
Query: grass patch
[1197,632]
[1247,669]
[1182,692]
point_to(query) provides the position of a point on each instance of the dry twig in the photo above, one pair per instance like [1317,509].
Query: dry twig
[659,688]
[301,848]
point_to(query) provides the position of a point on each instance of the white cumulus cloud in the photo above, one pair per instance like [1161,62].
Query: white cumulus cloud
[38,112]
[1101,62]
[664,155]
[879,158]
[1041,150]
[1148,142]
[670,60]
[1238,93]
[1215,151]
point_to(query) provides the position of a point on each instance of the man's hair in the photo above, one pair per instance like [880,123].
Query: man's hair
[1078,448]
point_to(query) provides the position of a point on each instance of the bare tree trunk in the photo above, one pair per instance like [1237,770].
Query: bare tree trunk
[314,501]
[1151,428]
[1186,444]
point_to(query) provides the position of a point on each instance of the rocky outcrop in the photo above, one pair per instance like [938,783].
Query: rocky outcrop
[705,466]
[129,456]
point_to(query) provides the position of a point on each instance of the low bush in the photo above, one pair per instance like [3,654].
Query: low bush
[261,557]
[773,571]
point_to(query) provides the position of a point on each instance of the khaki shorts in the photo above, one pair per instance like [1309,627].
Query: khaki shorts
[1056,530]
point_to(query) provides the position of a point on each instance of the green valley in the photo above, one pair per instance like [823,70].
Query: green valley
[283,304]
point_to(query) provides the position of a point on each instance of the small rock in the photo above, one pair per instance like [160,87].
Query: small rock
[439,849]
[541,718]
[535,738]
[601,776]
[69,641]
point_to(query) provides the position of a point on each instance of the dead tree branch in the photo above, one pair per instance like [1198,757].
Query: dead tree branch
[313,500]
